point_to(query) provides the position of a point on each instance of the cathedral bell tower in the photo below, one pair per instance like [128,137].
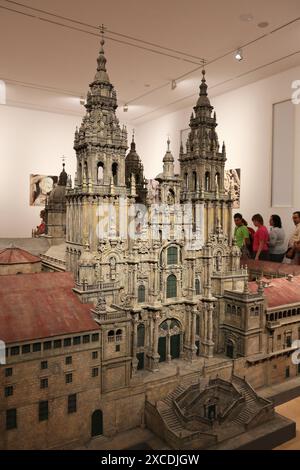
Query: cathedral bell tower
[202,169]
[99,187]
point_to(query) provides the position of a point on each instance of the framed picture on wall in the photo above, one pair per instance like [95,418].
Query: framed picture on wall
[40,187]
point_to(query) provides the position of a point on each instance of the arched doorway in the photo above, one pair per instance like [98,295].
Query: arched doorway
[97,423]
[230,349]
[169,342]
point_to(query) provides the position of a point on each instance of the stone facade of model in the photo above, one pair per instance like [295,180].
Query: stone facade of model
[149,290]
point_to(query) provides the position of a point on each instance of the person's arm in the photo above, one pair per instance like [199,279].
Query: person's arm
[260,247]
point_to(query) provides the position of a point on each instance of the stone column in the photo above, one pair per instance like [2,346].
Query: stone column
[134,345]
[230,223]
[193,338]
[153,351]
[168,346]
[223,210]
[207,342]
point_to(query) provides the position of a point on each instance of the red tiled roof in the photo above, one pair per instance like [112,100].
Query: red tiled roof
[269,267]
[280,291]
[15,255]
[41,305]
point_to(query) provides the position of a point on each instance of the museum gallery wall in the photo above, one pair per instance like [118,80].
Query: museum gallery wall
[33,142]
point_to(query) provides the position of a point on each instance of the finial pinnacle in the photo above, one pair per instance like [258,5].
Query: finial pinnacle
[168,143]
[133,134]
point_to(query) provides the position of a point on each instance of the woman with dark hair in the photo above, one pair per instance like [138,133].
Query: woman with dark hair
[261,239]
[277,237]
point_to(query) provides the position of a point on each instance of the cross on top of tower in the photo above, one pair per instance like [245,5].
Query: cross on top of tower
[168,143]
[102,30]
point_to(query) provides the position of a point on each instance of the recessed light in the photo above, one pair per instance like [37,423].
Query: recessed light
[263,24]
[147,85]
[238,55]
[246,17]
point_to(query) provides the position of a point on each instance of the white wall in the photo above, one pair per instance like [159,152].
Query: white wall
[245,123]
[30,142]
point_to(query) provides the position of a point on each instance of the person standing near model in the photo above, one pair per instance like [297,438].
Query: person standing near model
[277,239]
[261,239]
[241,234]
[292,251]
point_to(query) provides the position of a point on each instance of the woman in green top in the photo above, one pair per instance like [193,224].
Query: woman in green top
[241,234]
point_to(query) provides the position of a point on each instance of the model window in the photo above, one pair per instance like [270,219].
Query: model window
[44,383]
[8,391]
[172,257]
[115,173]
[72,403]
[15,350]
[26,349]
[36,347]
[171,286]
[8,372]
[69,378]
[100,172]
[207,181]
[11,418]
[111,336]
[43,411]
[140,335]
[119,335]
[197,287]
[95,337]
[141,294]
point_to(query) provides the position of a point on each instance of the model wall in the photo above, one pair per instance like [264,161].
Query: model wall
[244,119]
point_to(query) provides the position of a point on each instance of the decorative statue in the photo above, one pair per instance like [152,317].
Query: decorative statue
[41,229]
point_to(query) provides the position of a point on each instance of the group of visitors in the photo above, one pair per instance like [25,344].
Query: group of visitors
[264,244]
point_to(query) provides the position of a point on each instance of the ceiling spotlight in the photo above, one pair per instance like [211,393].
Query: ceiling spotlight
[173,84]
[238,55]
[125,108]
[263,24]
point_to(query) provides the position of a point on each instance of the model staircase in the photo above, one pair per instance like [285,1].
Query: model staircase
[170,418]
[251,406]
[173,395]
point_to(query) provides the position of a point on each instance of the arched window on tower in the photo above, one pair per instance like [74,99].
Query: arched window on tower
[172,255]
[140,335]
[171,197]
[197,287]
[186,181]
[141,294]
[114,169]
[217,180]
[80,173]
[194,181]
[86,174]
[207,181]
[171,286]
[100,172]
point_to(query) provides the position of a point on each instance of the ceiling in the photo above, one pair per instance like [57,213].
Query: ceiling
[48,50]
